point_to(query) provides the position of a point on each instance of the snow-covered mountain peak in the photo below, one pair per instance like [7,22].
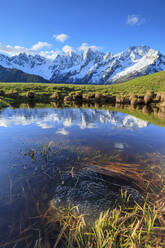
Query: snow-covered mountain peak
[89,65]
[89,54]
[69,52]
[107,56]
[21,59]
[134,52]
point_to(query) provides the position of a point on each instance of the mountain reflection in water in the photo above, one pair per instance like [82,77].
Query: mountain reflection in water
[97,130]
[83,118]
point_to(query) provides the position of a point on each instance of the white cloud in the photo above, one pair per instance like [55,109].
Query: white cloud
[39,45]
[14,50]
[85,47]
[38,48]
[49,54]
[67,49]
[62,131]
[61,37]
[135,20]
[68,122]
[119,146]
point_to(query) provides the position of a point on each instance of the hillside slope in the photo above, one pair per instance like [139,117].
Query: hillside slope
[15,75]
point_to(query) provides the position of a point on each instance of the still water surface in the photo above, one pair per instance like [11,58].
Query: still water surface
[98,130]
[35,140]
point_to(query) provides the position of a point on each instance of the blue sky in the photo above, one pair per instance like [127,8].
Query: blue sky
[41,26]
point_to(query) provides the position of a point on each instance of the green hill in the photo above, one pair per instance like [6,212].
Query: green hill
[140,85]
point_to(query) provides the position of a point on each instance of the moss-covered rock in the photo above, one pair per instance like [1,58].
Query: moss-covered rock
[77,96]
[119,99]
[98,97]
[30,95]
[68,98]
[162,104]
[161,113]
[13,94]
[56,96]
[140,100]
[150,93]
[110,98]
[132,96]
[147,110]
[148,99]
[122,100]
[156,110]
[134,101]
[162,96]
[158,96]
[119,106]
[139,106]
[2,93]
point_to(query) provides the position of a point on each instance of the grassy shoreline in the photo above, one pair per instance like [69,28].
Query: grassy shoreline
[154,82]
[146,90]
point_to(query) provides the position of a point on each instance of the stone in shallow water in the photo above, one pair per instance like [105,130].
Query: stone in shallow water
[91,192]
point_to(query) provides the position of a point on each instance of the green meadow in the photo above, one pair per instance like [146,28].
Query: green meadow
[139,86]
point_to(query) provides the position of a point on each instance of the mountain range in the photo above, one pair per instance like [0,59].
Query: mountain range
[88,67]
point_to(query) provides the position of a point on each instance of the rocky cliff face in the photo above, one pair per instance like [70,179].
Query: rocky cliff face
[90,66]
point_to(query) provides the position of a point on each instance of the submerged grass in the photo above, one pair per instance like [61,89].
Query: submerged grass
[138,226]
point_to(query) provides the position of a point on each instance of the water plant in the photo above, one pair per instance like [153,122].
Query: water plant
[139,226]
[32,153]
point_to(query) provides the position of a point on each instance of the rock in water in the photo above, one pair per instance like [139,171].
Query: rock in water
[91,192]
